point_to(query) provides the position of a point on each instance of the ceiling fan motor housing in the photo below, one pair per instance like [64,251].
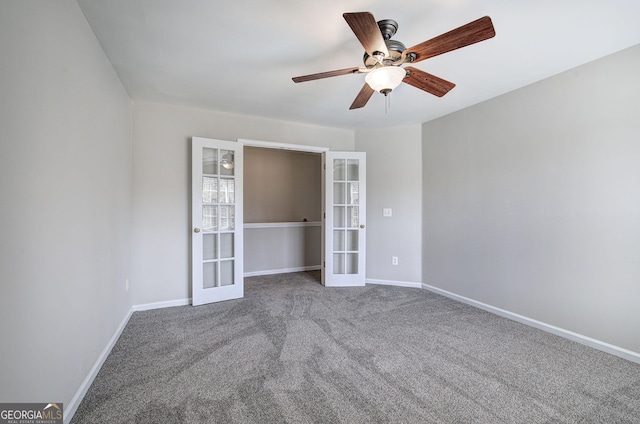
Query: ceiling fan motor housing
[388,28]
[395,54]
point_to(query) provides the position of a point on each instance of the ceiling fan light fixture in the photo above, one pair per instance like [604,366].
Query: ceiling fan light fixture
[385,79]
[227,161]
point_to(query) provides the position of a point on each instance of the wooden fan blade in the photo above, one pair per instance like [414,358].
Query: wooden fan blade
[473,32]
[427,82]
[327,74]
[363,97]
[365,27]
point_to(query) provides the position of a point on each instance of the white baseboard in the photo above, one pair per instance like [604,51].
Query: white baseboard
[160,305]
[585,340]
[72,407]
[282,270]
[394,283]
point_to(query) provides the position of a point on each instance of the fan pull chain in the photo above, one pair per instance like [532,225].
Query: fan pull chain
[387,103]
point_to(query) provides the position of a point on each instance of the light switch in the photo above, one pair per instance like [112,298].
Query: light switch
[386,212]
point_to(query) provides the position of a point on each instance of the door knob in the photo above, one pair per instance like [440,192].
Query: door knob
[361,225]
[196,230]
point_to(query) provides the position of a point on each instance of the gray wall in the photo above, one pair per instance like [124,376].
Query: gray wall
[282,185]
[272,250]
[394,180]
[161,184]
[65,213]
[531,201]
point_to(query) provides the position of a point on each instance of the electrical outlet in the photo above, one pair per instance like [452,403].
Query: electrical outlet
[394,260]
[387,212]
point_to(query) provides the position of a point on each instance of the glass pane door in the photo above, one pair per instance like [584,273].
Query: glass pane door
[217,206]
[345,218]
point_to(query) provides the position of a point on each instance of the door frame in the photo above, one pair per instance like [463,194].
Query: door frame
[282,146]
[306,149]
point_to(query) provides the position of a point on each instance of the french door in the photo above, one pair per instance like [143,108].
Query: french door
[345,219]
[217,222]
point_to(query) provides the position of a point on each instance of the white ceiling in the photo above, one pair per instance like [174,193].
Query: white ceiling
[238,56]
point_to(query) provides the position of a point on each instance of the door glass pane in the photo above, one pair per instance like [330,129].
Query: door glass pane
[353,220]
[227,190]
[210,161]
[352,169]
[353,196]
[339,216]
[338,263]
[227,162]
[352,263]
[209,275]
[226,245]
[227,218]
[339,172]
[209,218]
[226,273]
[339,193]
[209,190]
[352,240]
[209,246]
[338,240]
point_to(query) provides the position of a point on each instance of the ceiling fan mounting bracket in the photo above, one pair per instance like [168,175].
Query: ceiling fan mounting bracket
[388,28]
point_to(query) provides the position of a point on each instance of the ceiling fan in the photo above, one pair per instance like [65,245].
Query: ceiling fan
[384,57]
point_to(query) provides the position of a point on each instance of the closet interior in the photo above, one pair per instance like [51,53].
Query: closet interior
[282,210]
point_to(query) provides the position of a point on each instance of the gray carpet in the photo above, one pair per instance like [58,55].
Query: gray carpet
[294,351]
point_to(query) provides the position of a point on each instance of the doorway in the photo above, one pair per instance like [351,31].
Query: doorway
[283,210]
[218,200]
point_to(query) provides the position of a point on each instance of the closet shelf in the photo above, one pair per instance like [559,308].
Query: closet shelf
[281,224]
